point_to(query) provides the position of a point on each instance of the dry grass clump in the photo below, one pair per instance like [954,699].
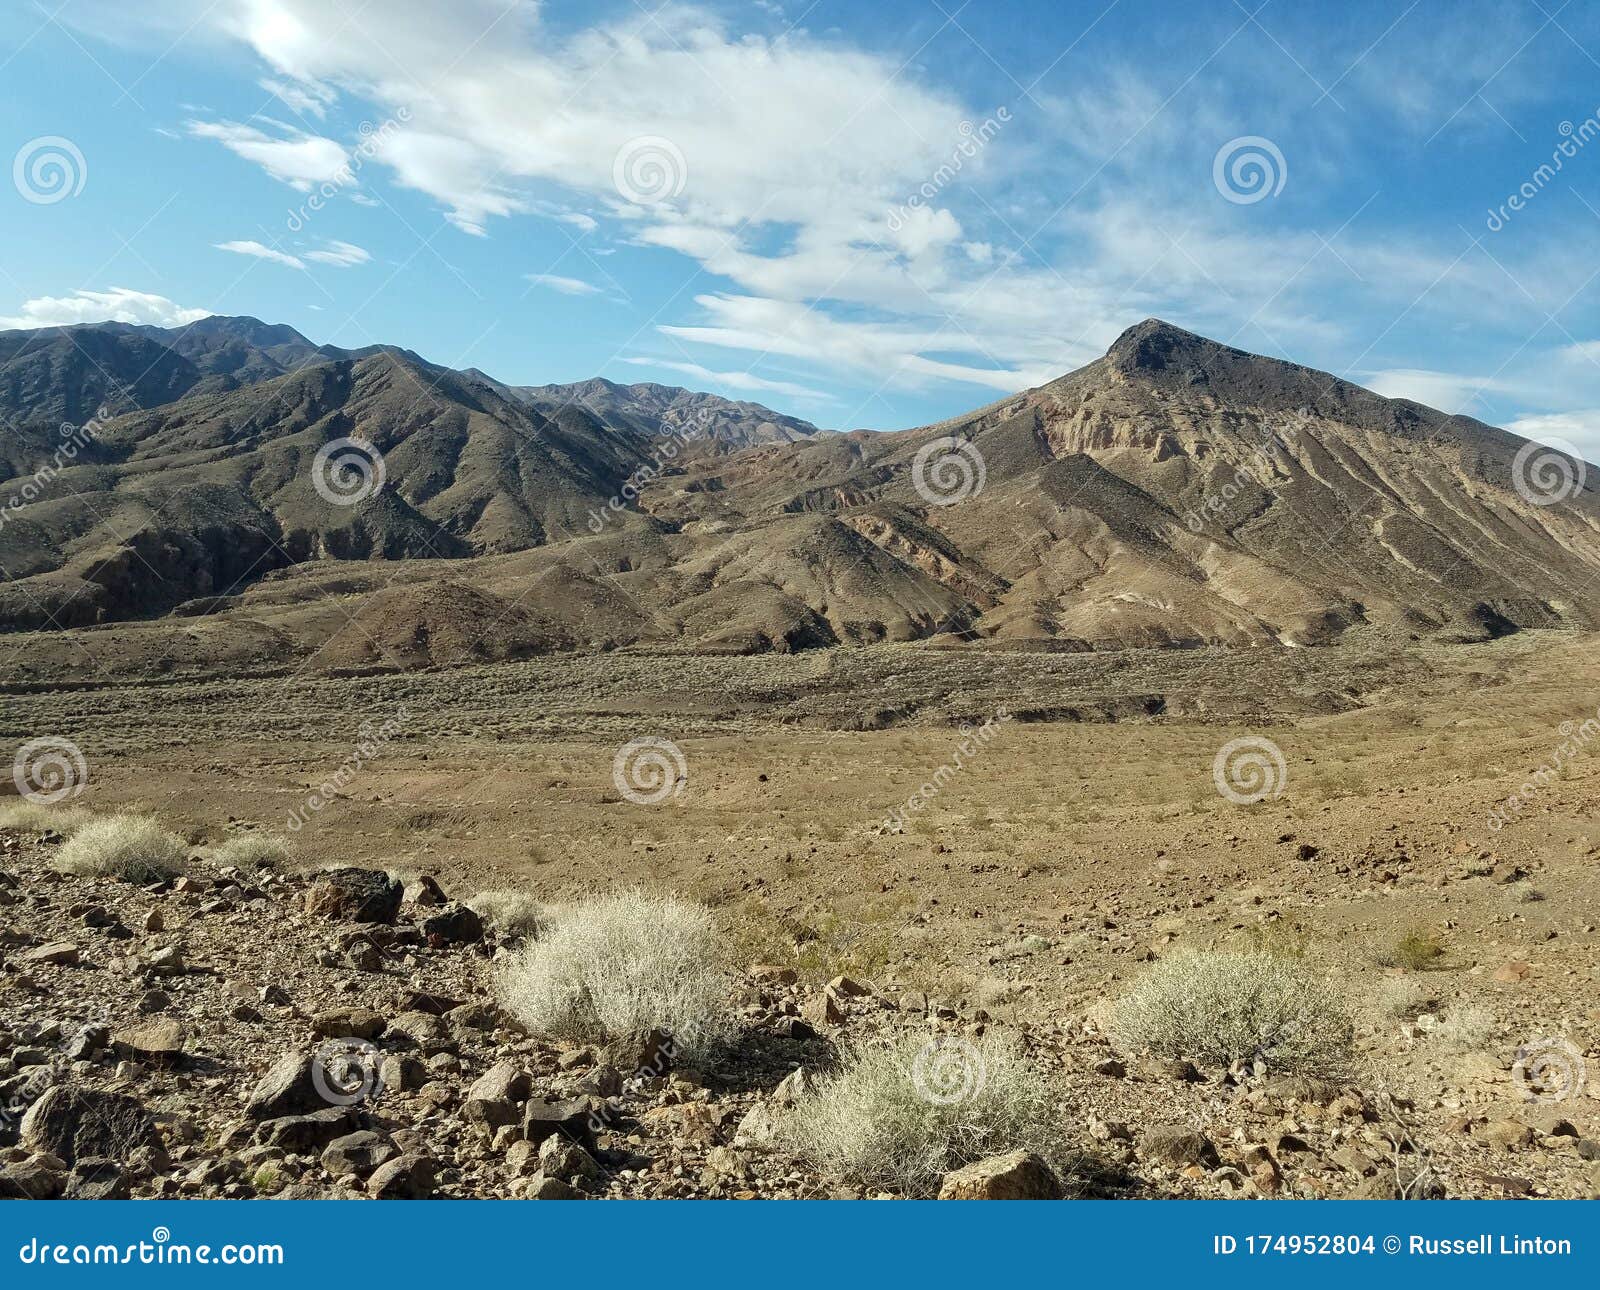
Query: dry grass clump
[134,848]
[31,817]
[1417,950]
[1464,1029]
[1217,1008]
[515,915]
[254,851]
[900,1114]
[614,968]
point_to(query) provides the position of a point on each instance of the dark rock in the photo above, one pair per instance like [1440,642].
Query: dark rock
[355,895]
[286,1089]
[31,1180]
[404,1178]
[358,1153]
[571,1119]
[426,892]
[97,1179]
[348,1023]
[452,925]
[75,1123]
[306,1133]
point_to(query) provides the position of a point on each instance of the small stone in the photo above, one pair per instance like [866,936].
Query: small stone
[569,1119]
[1508,1133]
[150,1040]
[1021,1175]
[773,974]
[452,925]
[1110,1067]
[154,1001]
[357,1153]
[63,953]
[287,1088]
[348,1023]
[1176,1144]
[404,1178]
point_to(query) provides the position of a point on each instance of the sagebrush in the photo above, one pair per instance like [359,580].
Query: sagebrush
[31,817]
[514,915]
[134,848]
[254,851]
[1217,1008]
[614,968]
[900,1114]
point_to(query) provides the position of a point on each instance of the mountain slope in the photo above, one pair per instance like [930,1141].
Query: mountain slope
[651,409]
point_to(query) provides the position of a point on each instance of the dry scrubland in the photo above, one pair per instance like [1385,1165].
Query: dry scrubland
[1076,948]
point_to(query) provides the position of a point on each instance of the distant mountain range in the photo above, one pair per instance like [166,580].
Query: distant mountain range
[1176,492]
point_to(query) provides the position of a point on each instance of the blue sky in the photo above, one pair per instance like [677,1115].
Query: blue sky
[869,215]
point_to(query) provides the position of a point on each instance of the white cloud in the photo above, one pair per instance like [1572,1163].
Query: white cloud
[566,286]
[119,304]
[731,380]
[1580,428]
[1445,391]
[307,98]
[341,255]
[260,252]
[296,158]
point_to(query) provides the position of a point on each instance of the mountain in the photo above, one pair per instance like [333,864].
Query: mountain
[654,410]
[1175,492]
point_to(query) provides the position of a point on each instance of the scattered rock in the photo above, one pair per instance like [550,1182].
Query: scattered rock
[1176,1144]
[160,1040]
[1021,1175]
[355,895]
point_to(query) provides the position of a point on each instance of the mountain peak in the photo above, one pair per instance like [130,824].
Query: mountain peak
[1155,345]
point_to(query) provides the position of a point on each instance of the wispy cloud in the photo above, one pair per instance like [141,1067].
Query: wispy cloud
[293,157]
[260,251]
[566,286]
[341,255]
[732,380]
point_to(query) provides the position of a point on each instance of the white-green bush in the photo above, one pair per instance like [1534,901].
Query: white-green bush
[134,848]
[614,968]
[31,817]
[514,915]
[254,851]
[900,1114]
[1216,1007]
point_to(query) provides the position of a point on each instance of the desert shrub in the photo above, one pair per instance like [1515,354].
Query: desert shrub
[1464,1029]
[614,968]
[134,848]
[1417,950]
[515,915]
[1404,998]
[900,1114]
[31,817]
[254,851]
[1217,1008]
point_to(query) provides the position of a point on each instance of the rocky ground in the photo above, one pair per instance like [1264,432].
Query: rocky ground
[267,1034]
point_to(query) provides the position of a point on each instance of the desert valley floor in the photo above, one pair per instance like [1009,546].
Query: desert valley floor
[1077,836]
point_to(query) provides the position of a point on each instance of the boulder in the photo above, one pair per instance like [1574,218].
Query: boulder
[355,895]
[453,925]
[75,1123]
[97,1179]
[1021,1175]
[358,1153]
[403,1178]
[1177,1144]
[160,1040]
[286,1089]
[63,953]
[568,1119]
[307,1133]
[348,1023]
